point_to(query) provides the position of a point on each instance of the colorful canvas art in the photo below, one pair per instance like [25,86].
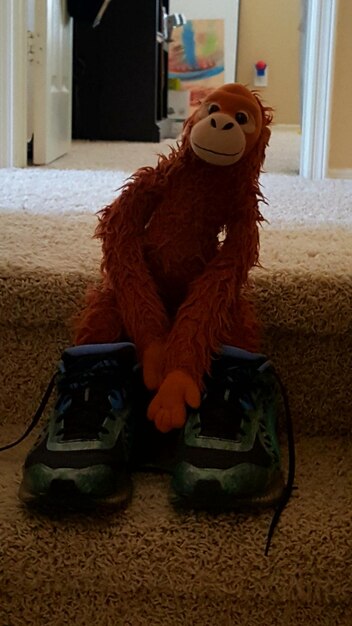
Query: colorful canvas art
[196,58]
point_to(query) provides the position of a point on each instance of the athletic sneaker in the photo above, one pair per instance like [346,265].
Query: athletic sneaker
[82,456]
[229,455]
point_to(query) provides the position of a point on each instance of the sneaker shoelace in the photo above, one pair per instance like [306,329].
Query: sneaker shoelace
[289,486]
[84,401]
[81,419]
[237,385]
[36,417]
[221,409]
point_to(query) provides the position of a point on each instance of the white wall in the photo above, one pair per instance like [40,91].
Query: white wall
[340,159]
[269,30]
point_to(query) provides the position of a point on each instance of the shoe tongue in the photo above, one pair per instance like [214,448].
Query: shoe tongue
[87,355]
[84,418]
[82,362]
[220,416]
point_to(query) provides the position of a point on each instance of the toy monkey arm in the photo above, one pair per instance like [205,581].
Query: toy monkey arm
[121,228]
[206,317]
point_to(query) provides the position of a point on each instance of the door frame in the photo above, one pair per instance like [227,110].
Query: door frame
[318,78]
[13,83]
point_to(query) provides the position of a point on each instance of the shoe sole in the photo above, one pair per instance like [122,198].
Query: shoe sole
[74,489]
[208,494]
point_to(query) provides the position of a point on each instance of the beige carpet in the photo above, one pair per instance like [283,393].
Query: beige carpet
[149,565]
[304,294]
[53,248]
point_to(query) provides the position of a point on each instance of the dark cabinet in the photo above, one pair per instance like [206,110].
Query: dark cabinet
[120,72]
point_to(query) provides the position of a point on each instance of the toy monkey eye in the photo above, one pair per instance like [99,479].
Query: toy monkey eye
[241,118]
[213,108]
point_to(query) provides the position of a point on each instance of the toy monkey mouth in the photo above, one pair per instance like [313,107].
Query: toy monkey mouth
[230,154]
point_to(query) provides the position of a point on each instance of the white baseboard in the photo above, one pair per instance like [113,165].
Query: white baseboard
[339,173]
[289,127]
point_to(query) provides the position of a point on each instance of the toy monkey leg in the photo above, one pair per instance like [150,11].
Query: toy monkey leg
[99,321]
[245,332]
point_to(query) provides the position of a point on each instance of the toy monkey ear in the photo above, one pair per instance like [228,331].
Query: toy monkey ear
[191,120]
[267,118]
[257,154]
[188,125]
[267,113]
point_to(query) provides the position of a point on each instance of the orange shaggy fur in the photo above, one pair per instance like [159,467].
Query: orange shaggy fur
[167,284]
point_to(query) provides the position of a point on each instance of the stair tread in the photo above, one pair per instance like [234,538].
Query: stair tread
[152,547]
[305,282]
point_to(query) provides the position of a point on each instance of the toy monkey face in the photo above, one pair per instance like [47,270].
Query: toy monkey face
[227,125]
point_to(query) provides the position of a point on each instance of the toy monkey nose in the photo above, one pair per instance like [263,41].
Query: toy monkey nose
[226,126]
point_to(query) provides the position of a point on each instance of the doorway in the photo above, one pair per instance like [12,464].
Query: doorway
[321,20]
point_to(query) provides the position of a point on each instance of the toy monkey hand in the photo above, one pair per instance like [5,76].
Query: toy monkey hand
[168,409]
[153,362]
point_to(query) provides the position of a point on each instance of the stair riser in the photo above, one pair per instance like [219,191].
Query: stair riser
[313,368]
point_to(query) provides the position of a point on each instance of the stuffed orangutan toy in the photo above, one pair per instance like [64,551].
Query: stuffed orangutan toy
[168,283]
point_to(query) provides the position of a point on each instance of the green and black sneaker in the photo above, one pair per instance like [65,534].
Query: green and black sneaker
[82,456]
[229,454]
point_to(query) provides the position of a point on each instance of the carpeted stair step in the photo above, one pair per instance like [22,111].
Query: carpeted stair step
[303,291]
[150,565]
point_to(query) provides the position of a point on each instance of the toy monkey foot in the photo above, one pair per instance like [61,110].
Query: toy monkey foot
[168,409]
